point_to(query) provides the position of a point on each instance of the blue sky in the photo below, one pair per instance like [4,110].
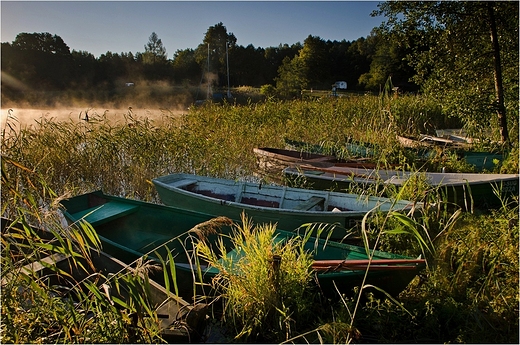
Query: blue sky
[125,26]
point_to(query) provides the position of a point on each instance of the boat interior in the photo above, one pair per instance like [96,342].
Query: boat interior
[255,195]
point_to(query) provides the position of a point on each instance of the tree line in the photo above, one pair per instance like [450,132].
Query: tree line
[44,61]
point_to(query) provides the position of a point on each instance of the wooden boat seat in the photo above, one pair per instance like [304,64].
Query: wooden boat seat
[309,203]
[106,212]
[182,183]
[38,267]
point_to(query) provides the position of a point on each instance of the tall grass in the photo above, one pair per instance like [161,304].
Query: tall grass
[265,286]
[478,252]
[55,305]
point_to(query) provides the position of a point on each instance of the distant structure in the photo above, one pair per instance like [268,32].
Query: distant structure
[342,85]
[339,85]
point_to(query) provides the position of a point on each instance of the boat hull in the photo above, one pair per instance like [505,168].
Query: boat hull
[129,229]
[272,204]
[141,227]
[272,161]
[392,279]
[172,309]
[464,190]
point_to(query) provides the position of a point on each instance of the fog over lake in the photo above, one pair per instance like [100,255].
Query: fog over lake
[22,117]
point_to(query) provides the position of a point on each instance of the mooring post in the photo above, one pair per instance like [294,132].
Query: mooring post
[274,276]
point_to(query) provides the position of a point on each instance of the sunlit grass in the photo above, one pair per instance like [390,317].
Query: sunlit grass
[468,294]
[266,286]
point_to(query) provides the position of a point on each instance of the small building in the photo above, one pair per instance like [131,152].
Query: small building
[342,85]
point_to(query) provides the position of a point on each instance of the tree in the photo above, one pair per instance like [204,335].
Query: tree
[213,49]
[463,53]
[248,66]
[154,51]
[388,59]
[155,60]
[41,61]
[274,57]
[291,77]
[85,66]
[41,42]
[315,62]
[185,67]
[110,69]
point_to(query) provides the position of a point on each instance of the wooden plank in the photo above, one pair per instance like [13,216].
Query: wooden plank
[282,198]
[310,203]
[182,183]
[240,190]
[367,262]
[373,265]
[38,266]
[106,212]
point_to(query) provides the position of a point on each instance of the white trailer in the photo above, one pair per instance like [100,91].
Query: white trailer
[342,85]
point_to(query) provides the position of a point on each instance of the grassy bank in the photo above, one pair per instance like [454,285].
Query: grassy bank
[469,293]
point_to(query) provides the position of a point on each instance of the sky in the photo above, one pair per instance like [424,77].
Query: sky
[125,26]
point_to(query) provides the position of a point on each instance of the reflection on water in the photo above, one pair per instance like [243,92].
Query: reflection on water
[24,117]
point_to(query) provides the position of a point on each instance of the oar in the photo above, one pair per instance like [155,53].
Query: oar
[364,268]
[333,171]
[366,262]
[353,265]
[374,265]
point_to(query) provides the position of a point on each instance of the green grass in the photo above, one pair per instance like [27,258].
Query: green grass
[267,287]
[469,293]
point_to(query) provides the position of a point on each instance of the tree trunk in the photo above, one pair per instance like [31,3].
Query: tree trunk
[499,91]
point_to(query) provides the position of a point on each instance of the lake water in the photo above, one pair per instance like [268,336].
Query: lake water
[22,117]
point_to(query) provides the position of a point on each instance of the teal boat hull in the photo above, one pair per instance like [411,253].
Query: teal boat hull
[139,228]
[480,160]
[130,229]
[332,283]
[466,190]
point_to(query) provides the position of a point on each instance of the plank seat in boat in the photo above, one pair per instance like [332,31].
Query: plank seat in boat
[309,203]
[101,214]
[38,266]
[183,183]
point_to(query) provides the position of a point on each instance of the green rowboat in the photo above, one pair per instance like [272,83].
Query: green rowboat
[129,229]
[342,267]
[289,207]
[139,227]
[177,317]
[463,189]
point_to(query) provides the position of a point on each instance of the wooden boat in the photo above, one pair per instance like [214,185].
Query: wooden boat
[455,134]
[129,229]
[446,142]
[123,231]
[289,207]
[177,325]
[460,188]
[351,148]
[344,266]
[428,147]
[271,161]
[132,232]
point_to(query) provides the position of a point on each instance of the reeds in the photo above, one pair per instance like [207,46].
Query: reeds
[265,285]
[468,294]
[52,291]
